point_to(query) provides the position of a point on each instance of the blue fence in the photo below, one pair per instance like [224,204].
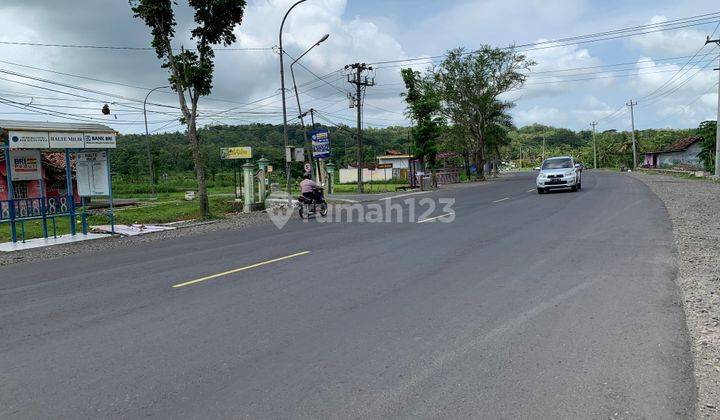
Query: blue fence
[47,209]
[34,208]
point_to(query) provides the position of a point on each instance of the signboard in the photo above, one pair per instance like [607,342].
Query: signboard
[320,144]
[67,141]
[60,140]
[294,154]
[231,153]
[28,140]
[26,165]
[269,168]
[92,174]
[384,166]
[100,141]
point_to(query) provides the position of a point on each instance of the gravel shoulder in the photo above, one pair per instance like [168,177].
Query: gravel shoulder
[694,208]
[234,222]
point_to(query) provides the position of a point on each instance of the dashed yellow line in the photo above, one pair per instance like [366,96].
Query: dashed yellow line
[237,270]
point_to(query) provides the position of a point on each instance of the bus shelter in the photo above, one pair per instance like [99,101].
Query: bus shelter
[38,181]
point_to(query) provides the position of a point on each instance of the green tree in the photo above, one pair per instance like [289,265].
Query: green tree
[498,127]
[191,72]
[470,84]
[708,131]
[424,109]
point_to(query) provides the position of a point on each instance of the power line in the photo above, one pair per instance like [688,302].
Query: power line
[119,48]
[674,24]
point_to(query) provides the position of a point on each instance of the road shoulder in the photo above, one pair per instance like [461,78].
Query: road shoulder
[694,207]
[234,222]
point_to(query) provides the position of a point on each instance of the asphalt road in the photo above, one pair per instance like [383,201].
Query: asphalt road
[525,306]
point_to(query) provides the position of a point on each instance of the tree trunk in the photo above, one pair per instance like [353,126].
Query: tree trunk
[199,169]
[466,162]
[480,163]
[497,160]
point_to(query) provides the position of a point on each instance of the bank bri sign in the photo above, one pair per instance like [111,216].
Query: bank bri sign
[60,140]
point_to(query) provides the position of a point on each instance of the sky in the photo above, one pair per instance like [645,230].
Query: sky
[570,85]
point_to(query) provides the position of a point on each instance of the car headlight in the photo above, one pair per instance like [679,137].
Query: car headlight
[569,174]
[542,175]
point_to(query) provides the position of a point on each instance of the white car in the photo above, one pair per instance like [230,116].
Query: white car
[559,173]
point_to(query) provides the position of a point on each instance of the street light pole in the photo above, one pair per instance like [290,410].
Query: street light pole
[717,132]
[147,142]
[284,106]
[297,97]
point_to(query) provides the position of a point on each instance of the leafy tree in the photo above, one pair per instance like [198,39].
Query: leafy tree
[191,72]
[470,84]
[423,107]
[498,126]
[708,130]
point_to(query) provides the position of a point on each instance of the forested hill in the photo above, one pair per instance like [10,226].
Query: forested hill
[172,154]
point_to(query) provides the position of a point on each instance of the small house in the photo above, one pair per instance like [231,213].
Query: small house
[683,154]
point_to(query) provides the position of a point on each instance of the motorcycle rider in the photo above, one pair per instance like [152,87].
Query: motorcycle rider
[308,188]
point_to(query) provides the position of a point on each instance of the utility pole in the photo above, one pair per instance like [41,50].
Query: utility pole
[355,77]
[717,133]
[521,162]
[594,124]
[632,104]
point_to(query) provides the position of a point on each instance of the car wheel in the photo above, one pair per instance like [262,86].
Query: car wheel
[541,191]
[574,188]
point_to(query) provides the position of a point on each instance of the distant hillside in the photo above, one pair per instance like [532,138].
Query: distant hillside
[171,153]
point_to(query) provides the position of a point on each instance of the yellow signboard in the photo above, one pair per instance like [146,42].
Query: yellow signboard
[236,153]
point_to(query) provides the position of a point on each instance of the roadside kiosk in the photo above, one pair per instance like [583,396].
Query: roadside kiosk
[34,155]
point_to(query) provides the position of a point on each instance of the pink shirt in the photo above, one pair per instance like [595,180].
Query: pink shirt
[307,185]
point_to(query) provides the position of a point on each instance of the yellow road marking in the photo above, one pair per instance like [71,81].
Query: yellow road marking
[436,217]
[237,270]
[502,199]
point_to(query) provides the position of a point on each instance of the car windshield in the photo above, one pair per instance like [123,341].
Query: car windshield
[560,163]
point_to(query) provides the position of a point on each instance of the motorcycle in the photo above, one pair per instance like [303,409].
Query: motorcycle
[316,205]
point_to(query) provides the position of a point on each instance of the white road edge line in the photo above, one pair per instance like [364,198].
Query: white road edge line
[403,195]
[502,199]
[435,218]
[533,190]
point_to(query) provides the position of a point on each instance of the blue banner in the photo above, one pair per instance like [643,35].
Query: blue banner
[320,144]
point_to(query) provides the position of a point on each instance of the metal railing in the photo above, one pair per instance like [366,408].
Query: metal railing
[34,208]
[18,211]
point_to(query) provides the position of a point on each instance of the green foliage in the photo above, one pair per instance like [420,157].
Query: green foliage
[424,108]
[708,130]
[172,155]
[470,85]
[215,19]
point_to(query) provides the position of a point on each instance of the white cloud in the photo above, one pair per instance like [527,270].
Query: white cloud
[540,114]
[673,42]
[555,70]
